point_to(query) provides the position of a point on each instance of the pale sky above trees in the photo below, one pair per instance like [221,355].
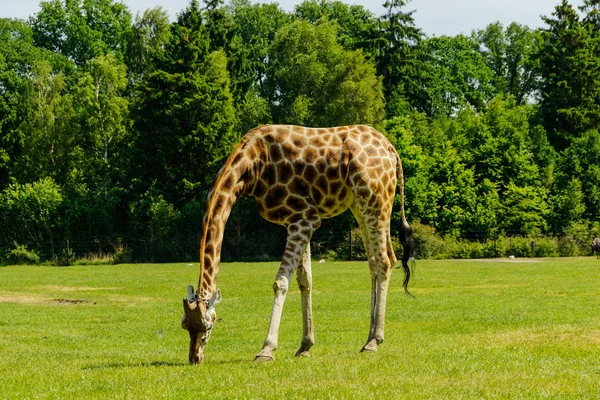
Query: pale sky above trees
[435,17]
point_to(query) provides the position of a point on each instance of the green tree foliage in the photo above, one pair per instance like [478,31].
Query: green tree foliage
[29,214]
[396,53]
[570,70]
[102,110]
[219,24]
[255,26]
[358,27]
[49,141]
[81,29]
[510,54]
[112,130]
[145,38]
[313,81]
[579,178]
[184,124]
[18,58]
[455,75]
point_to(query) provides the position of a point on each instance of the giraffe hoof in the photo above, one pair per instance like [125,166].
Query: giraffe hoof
[370,346]
[263,358]
[302,353]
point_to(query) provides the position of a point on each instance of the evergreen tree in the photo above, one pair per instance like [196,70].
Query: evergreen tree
[397,56]
[570,70]
[184,124]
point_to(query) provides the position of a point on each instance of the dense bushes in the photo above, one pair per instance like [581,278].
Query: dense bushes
[431,245]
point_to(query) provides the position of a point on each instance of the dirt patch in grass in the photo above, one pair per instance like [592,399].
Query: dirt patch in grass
[561,334]
[77,288]
[24,299]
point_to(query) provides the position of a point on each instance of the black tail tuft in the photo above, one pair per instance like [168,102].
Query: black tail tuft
[408,245]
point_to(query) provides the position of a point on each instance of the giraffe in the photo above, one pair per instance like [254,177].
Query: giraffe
[298,177]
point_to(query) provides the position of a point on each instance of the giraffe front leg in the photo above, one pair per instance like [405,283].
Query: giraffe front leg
[304,277]
[280,288]
[297,242]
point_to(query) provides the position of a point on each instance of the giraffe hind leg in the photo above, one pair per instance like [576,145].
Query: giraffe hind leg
[383,269]
[375,227]
[304,277]
[372,260]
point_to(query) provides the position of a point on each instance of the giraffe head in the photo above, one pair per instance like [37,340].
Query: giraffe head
[198,319]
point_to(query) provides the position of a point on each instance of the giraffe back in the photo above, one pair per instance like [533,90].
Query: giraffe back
[302,171]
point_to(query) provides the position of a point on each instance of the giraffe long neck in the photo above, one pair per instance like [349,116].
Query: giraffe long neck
[233,181]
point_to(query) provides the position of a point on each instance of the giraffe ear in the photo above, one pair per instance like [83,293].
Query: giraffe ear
[215,299]
[190,293]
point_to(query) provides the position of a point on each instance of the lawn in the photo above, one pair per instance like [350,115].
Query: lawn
[477,329]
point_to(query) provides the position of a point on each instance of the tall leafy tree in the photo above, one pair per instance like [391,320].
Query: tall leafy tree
[102,107]
[147,36]
[358,27]
[510,54]
[49,143]
[578,181]
[18,59]
[255,26]
[454,75]
[16,55]
[81,29]
[313,81]
[219,24]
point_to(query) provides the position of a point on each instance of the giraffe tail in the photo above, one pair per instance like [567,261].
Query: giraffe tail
[408,246]
[406,239]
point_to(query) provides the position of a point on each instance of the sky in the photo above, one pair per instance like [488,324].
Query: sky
[434,17]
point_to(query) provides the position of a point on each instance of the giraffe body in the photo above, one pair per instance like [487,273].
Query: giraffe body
[300,176]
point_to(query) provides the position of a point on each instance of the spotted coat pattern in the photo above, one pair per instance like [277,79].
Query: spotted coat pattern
[298,177]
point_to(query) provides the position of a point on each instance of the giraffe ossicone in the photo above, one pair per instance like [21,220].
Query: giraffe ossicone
[298,177]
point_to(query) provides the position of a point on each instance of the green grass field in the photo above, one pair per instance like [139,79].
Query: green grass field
[478,329]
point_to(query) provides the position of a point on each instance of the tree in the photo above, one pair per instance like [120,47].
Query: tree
[396,54]
[524,210]
[18,58]
[81,29]
[49,142]
[358,27]
[29,214]
[454,75]
[184,123]
[510,54]
[219,24]
[579,171]
[313,81]
[570,70]
[145,38]
[103,111]
[255,26]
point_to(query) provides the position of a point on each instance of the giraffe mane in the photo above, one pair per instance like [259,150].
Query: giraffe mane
[210,208]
